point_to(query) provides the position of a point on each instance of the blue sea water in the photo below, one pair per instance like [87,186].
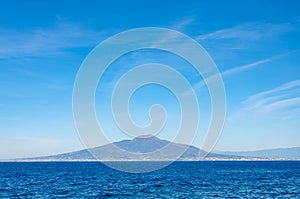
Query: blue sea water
[278,179]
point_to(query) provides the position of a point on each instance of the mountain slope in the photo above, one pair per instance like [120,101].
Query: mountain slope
[284,153]
[141,147]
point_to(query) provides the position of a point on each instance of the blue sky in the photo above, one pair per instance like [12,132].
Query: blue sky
[255,45]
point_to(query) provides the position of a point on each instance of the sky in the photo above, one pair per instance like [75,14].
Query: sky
[254,44]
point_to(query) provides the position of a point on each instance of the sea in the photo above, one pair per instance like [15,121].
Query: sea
[202,179]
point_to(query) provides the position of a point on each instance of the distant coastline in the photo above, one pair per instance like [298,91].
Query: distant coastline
[179,160]
[141,149]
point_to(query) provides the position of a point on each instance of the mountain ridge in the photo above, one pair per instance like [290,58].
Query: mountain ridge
[287,153]
[140,147]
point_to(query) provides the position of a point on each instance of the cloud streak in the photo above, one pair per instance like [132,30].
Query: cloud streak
[249,31]
[286,96]
[46,41]
[182,24]
[254,36]
[246,67]
[233,71]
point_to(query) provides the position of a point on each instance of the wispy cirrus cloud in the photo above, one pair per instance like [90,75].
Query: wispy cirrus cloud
[280,104]
[182,24]
[46,41]
[254,36]
[246,37]
[246,67]
[233,71]
[283,97]
[249,31]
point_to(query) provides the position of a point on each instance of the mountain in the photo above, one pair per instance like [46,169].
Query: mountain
[141,146]
[279,153]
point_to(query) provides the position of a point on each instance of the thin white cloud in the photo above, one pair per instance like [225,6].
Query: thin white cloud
[250,31]
[233,71]
[246,67]
[283,103]
[182,24]
[167,37]
[254,36]
[279,98]
[45,41]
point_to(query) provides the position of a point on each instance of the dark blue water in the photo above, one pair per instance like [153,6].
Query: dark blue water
[179,180]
